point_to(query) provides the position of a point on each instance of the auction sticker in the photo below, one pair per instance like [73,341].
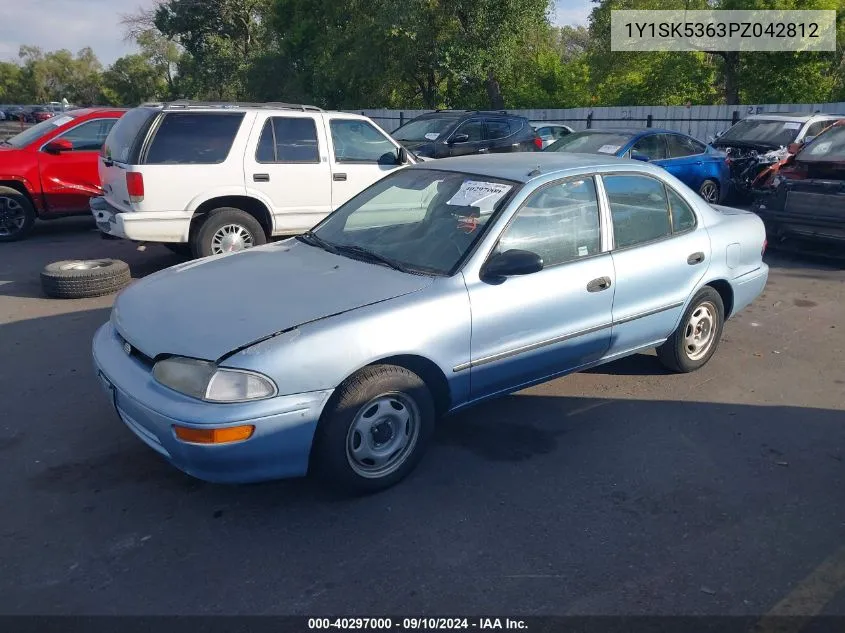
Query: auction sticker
[477,193]
[609,149]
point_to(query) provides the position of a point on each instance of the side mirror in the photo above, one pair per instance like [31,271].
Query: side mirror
[511,263]
[794,148]
[639,156]
[58,146]
[402,156]
[459,138]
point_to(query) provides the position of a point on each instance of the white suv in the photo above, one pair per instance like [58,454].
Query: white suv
[223,177]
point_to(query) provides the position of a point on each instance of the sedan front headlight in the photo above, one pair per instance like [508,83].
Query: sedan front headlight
[205,381]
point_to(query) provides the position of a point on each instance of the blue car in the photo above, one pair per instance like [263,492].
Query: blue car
[442,285]
[699,166]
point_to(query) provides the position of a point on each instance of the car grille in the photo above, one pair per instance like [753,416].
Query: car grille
[134,352]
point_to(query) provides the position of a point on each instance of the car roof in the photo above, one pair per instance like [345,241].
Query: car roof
[520,166]
[791,116]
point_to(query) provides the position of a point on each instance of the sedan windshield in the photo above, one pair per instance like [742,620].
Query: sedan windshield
[763,132]
[37,131]
[591,143]
[830,146]
[424,129]
[416,220]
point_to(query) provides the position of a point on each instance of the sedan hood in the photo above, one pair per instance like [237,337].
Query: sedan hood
[210,307]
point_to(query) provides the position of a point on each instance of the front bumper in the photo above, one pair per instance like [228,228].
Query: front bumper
[141,226]
[284,426]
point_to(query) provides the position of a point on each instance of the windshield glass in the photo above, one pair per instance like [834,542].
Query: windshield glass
[830,146]
[422,220]
[590,143]
[424,129]
[763,132]
[37,131]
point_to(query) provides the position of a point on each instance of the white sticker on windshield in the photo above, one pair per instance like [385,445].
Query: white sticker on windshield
[60,120]
[791,126]
[609,149]
[820,148]
[475,193]
[432,136]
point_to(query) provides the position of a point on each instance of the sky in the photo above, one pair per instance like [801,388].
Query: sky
[75,24]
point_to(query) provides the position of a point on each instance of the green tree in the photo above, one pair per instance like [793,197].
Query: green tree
[132,80]
[11,89]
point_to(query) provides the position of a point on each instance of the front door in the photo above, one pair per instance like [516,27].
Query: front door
[290,168]
[530,327]
[468,139]
[69,179]
[660,255]
[686,158]
[361,155]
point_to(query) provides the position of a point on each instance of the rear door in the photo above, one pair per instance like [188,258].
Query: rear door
[359,155]
[500,135]
[70,179]
[286,163]
[686,159]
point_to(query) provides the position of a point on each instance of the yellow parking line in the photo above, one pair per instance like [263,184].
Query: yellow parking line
[807,599]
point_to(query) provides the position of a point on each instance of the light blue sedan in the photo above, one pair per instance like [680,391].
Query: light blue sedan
[440,286]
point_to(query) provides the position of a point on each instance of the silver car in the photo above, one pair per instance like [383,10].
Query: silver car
[440,286]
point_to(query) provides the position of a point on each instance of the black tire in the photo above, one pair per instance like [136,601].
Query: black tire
[706,187]
[212,222]
[331,457]
[178,248]
[77,279]
[675,354]
[13,202]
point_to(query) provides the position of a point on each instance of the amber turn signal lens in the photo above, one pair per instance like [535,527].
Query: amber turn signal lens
[214,436]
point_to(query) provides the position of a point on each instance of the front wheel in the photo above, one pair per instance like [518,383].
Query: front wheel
[17,215]
[226,230]
[697,337]
[376,430]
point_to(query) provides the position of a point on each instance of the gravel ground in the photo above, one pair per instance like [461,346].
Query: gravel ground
[622,490]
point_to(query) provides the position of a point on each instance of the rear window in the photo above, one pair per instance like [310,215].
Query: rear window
[190,138]
[124,135]
[591,143]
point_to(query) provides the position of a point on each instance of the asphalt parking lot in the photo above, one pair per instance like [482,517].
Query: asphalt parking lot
[624,490]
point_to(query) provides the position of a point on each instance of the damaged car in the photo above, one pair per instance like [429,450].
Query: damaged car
[806,198]
[762,140]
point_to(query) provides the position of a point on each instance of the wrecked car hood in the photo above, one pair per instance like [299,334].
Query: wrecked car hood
[210,307]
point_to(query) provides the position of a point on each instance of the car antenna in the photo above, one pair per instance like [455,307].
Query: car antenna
[535,172]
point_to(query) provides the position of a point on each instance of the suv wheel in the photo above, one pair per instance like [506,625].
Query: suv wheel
[226,230]
[17,216]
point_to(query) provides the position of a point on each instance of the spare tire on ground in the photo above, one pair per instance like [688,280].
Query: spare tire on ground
[77,279]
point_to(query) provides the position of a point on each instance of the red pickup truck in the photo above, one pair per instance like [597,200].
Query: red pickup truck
[50,169]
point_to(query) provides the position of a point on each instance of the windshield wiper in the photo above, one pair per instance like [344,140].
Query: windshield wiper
[374,257]
[312,239]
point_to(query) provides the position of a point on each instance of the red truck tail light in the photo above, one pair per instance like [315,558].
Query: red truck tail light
[538,142]
[135,186]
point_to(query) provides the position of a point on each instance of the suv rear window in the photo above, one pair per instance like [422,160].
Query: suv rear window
[124,136]
[190,138]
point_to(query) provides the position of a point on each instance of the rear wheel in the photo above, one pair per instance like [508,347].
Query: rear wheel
[17,215]
[226,230]
[697,337]
[375,431]
[710,191]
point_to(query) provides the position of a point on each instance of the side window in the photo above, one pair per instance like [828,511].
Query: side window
[497,129]
[192,138]
[683,218]
[288,140]
[545,133]
[559,222]
[652,146]
[473,129]
[680,146]
[639,209]
[816,128]
[357,141]
[89,136]
[560,132]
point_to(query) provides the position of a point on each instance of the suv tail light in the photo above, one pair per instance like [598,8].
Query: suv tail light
[538,142]
[135,186]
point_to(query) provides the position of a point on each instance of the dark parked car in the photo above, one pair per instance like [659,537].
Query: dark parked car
[697,165]
[462,132]
[806,198]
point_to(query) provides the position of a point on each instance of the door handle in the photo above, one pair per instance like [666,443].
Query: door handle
[699,162]
[597,285]
[261,177]
[483,150]
[695,258]
[339,177]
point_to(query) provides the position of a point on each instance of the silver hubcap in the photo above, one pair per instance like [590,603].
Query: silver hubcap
[84,265]
[382,435]
[230,238]
[12,216]
[709,192]
[700,331]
